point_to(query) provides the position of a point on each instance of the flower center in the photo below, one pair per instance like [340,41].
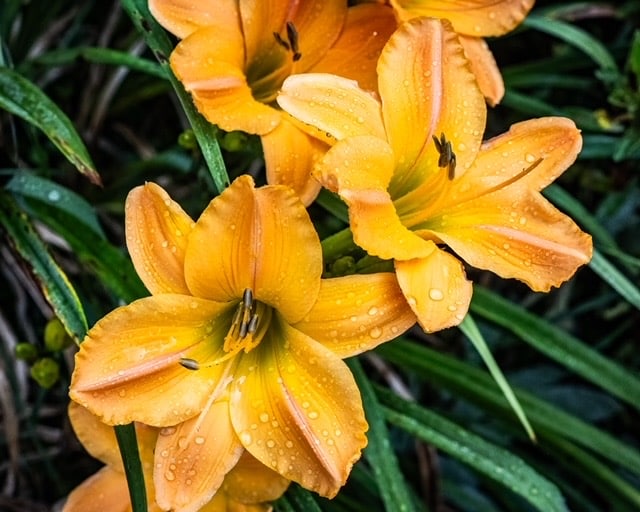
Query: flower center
[248,326]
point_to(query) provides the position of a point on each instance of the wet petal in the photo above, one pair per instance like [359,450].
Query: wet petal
[128,367]
[355,54]
[428,90]
[193,458]
[357,313]
[436,288]
[331,107]
[470,17]
[297,409]
[250,481]
[105,490]
[289,155]
[484,68]
[532,154]
[157,230]
[517,233]
[210,64]
[264,241]
[182,17]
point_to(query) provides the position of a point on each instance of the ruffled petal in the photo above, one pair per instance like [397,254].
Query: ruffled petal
[471,17]
[297,409]
[264,241]
[436,288]
[98,438]
[210,64]
[193,458]
[357,313]
[128,367]
[484,67]
[156,231]
[182,17]
[515,232]
[532,154]
[428,90]
[289,155]
[355,54]
[105,490]
[331,107]
[250,481]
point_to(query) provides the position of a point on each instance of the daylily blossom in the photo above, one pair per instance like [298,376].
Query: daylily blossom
[416,176]
[473,20]
[235,54]
[107,491]
[240,346]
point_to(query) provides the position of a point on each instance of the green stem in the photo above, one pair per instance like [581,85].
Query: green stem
[126,436]
[337,245]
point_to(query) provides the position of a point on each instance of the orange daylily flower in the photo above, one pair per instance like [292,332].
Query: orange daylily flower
[240,346]
[107,491]
[416,176]
[473,20]
[235,54]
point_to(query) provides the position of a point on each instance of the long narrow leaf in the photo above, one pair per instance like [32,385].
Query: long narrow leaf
[478,387]
[126,436]
[27,101]
[486,458]
[205,132]
[471,331]
[55,285]
[558,345]
[391,483]
[616,279]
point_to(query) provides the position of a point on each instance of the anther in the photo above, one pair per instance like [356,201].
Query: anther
[253,323]
[292,36]
[447,157]
[247,298]
[189,364]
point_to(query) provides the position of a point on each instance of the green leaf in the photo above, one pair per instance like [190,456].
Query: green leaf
[126,436]
[24,99]
[478,387]
[55,285]
[382,459]
[558,344]
[486,458]
[577,38]
[616,279]
[205,132]
[35,187]
[302,499]
[471,331]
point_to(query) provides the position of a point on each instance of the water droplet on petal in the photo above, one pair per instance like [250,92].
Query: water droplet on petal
[375,333]
[245,438]
[199,440]
[264,417]
[170,475]
[436,294]
[313,415]
[373,311]
[530,158]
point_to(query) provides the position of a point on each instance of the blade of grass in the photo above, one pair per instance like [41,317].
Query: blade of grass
[491,460]
[558,344]
[479,388]
[54,282]
[205,132]
[616,279]
[471,331]
[24,99]
[302,499]
[382,459]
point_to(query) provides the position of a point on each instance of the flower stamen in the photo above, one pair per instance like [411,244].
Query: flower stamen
[292,42]
[447,156]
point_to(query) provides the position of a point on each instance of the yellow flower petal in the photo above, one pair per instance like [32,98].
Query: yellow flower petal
[128,368]
[355,54]
[98,438]
[264,240]
[470,17]
[331,104]
[515,232]
[436,289]
[250,481]
[427,90]
[210,64]
[105,490]
[289,155]
[531,154]
[182,17]
[357,313]
[297,409]
[156,230]
[193,458]
[484,67]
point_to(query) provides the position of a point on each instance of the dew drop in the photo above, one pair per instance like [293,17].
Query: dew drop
[53,196]
[199,440]
[264,417]
[373,311]
[375,333]
[288,444]
[246,438]
[182,442]
[170,475]
[411,300]
[313,415]
[436,294]
[530,158]
[122,392]
[271,443]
